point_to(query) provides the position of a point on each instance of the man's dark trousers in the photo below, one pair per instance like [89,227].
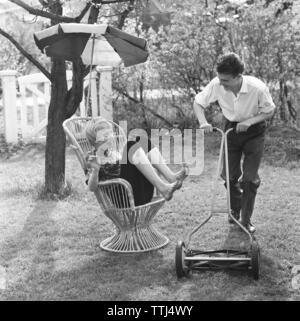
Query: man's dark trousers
[244,179]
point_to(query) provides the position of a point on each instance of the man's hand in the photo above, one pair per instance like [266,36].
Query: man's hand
[242,126]
[207,127]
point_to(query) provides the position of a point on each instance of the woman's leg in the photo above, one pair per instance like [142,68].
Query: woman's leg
[160,164]
[141,161]
[142,189]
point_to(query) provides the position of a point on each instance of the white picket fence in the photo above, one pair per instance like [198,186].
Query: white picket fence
[26,100]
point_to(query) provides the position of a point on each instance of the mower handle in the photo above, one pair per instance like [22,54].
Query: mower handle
[216,129]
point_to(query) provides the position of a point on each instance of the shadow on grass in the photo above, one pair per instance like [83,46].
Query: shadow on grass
[37,272]
[239,285]
[23,253]
[47,262]
[31,151]
[233,285]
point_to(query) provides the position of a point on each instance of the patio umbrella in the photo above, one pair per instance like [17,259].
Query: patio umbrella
[90,41]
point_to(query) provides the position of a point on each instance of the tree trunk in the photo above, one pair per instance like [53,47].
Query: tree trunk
[63,105]
[56,140]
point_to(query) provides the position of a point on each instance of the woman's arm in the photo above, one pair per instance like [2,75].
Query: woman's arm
[93,180]
[93,177]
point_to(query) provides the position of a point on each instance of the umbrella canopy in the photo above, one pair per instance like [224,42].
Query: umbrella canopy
[94,43]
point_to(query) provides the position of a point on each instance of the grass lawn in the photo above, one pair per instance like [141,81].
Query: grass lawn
[49,250]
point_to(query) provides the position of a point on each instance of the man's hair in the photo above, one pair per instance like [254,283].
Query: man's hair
[230,63]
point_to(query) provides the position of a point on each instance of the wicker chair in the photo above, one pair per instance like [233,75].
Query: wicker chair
[134,231]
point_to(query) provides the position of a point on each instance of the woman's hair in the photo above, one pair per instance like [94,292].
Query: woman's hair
[92,128]
[230,63]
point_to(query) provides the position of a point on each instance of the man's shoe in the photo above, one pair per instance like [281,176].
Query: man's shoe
[235,214]
[251,228]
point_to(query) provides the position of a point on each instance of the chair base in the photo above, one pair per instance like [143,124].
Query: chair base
[143,239]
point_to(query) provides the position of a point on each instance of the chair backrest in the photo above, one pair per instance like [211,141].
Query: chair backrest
[75,132]
[111,194]
[115,194]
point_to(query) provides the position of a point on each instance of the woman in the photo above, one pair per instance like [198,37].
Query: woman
[137,165]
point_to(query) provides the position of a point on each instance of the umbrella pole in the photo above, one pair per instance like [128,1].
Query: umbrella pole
[90,76]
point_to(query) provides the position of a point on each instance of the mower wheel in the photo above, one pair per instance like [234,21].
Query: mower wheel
[255,258]
[181,267]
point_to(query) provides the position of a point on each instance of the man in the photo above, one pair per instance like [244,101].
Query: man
[246,104]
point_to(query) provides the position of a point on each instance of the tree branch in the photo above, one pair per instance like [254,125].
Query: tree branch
[112,1]
[83,12]
[25,53]
[119,90]
[75,93]
[125,14]
[42,13]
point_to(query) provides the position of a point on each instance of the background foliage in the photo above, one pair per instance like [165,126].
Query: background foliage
[185,39]
[184,52]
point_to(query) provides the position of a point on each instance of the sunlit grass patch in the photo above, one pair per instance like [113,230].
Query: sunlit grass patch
[19,187]
[51,248]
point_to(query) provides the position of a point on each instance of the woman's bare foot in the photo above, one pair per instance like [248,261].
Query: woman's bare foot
[182,174]
[168,193]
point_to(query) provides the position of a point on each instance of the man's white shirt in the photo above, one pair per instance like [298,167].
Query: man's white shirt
[253,98]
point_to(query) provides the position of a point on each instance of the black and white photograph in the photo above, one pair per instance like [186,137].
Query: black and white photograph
[150,153]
